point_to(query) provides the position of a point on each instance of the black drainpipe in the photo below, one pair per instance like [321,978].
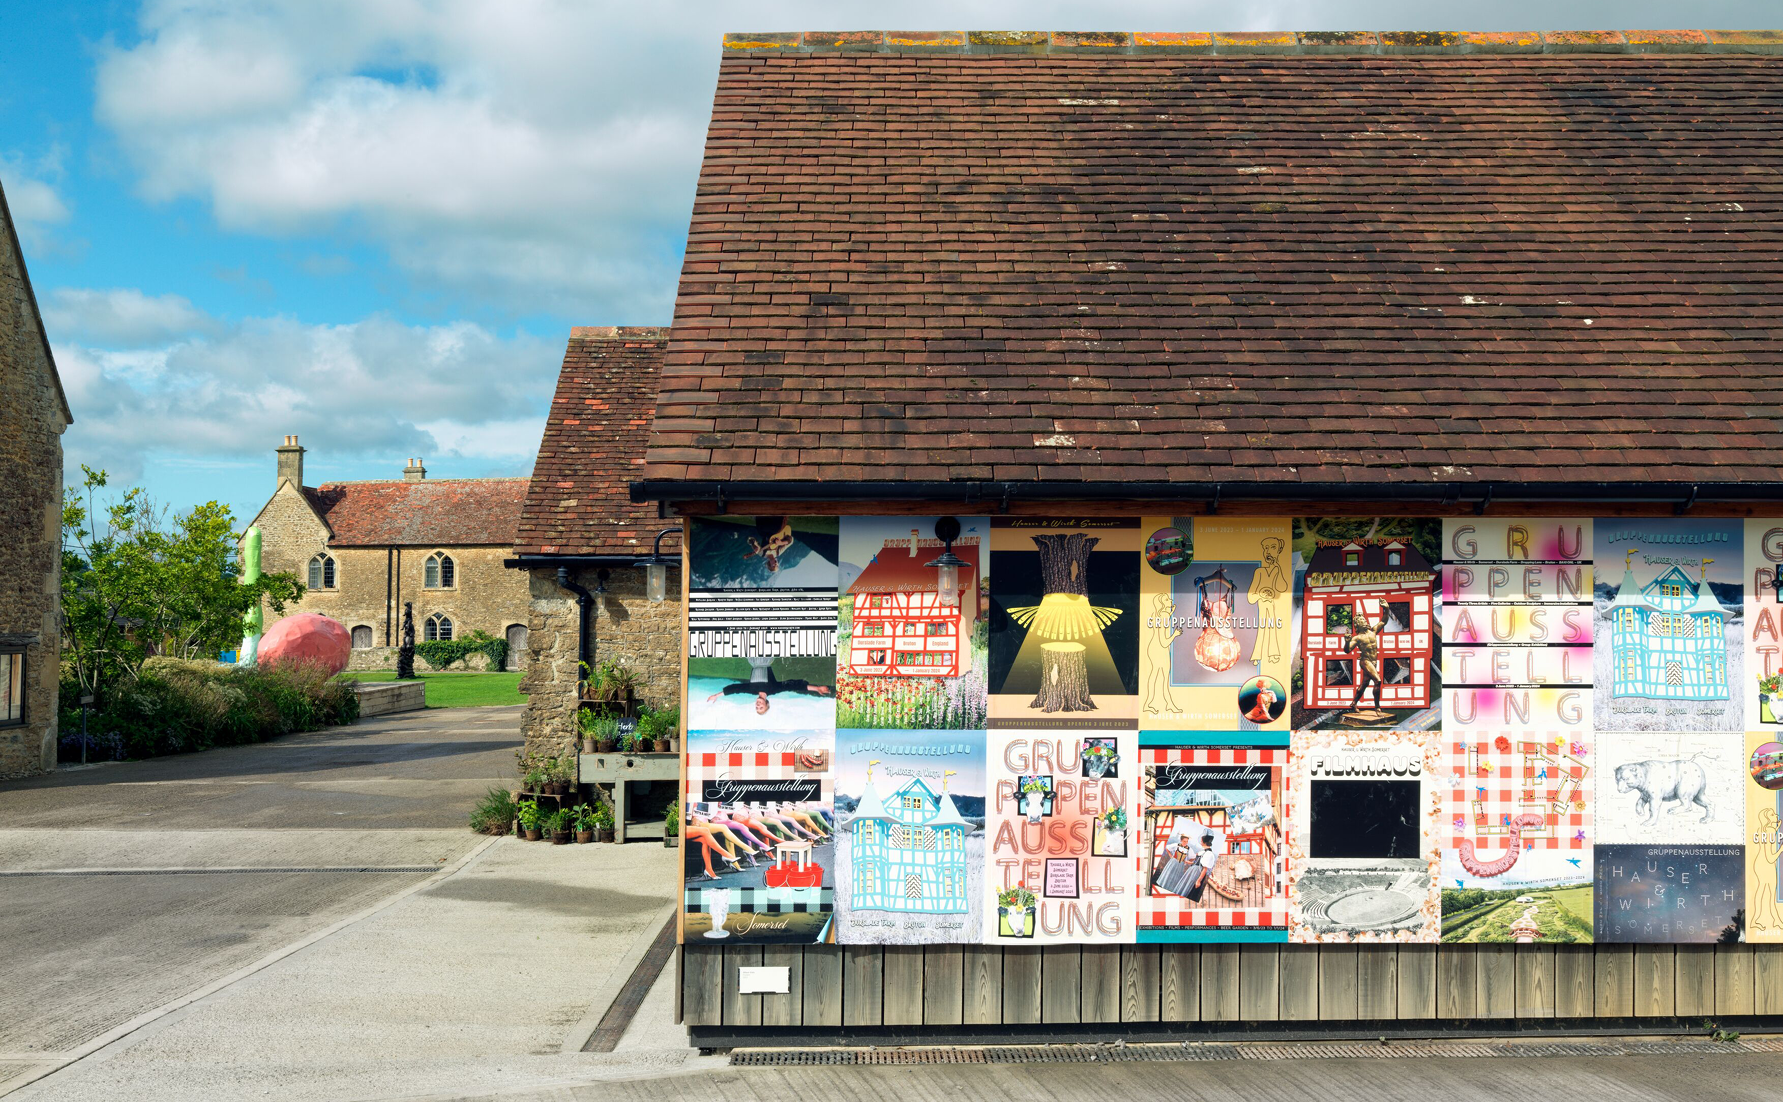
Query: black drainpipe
[585,647]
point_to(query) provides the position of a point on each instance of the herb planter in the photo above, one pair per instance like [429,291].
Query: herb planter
[604,746]
[560,837]
[662,745]
[583,837]
[533,834]
[588,746]
[606,834]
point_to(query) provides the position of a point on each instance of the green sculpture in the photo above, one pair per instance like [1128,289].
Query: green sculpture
[255,620]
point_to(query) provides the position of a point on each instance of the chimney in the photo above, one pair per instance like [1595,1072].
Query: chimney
[414,472]
[290,463]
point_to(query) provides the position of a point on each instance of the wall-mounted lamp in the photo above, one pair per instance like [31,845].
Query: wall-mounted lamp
[947,567]
[656,570]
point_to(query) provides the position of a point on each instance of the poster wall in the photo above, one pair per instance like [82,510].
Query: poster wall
[1060,850]
[1216,641]
[1669,636]
[756,808]
[1210,864]
[1064,623]
[910,840]
[911,656]
[1020,730]
[1370,637]
[1364,836]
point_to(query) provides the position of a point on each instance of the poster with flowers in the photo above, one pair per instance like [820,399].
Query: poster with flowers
[1059,824]
[912,646]
[1216,624]
[1763,628]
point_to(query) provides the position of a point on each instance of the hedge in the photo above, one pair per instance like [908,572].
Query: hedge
[442,653]
[176,707]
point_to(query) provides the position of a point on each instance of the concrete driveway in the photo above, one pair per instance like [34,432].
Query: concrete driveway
[125,886]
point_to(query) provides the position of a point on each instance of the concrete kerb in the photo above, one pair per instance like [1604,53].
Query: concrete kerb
[608,991]
[123,1036]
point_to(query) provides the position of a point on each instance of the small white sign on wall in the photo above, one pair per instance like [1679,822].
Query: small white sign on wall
[763,981]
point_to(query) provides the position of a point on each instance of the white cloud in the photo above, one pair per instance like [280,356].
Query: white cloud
[36,205]
[374,391]
[120,316]
[535,154]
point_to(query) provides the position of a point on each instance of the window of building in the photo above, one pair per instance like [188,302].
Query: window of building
[12,688]
[322,572]
[1674,673]
[361,637]
[1394,558]
[1338,672]
[438,628]
[866,832]
[870,878]
[1399,616]
[1352,558]
[440,571]
[1339,618]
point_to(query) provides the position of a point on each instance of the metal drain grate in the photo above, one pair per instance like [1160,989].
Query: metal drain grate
[1165,1052]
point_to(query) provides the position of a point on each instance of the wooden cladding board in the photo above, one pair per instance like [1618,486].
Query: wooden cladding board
[889,986]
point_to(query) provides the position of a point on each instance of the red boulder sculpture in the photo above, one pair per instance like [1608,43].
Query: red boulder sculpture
[307,639]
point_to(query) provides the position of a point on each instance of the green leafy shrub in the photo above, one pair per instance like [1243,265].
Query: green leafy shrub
[601,728]
[442,653]
[494,813]
[659,723]
[672,819]
[529,815]
[174,707]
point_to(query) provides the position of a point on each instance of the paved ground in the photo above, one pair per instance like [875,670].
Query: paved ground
[116,898]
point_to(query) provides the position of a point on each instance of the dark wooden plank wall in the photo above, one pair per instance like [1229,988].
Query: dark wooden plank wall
[978,985]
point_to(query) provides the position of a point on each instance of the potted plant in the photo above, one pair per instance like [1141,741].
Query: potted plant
[560,826]
[610,686]
[1767,697]
[534,780]
[560,774]
[671,826]
[1034,799]
[584,816]
[603,822]
[655,726]
[606,731]
[530,819]
[1017,907]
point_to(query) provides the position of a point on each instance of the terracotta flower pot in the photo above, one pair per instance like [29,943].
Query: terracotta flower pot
[607,834]
[533,834]
[662,745]
[560,837]
[583,837]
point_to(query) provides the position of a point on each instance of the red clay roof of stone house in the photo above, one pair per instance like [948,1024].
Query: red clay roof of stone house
[1367,258]
[434,512]
[593,448]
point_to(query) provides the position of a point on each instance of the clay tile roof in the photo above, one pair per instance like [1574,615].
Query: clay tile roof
[435,512]
[1334,257]
[593,448]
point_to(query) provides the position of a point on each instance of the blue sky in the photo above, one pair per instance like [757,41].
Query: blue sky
[372,222]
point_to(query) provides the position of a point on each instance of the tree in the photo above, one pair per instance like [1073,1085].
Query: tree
[137,583]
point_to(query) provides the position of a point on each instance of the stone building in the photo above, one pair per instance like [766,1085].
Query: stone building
[363,549]
[579,518]
[34,413]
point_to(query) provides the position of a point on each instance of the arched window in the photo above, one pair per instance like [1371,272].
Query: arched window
[438,628]
[361,637]
[439,571]
[322,572]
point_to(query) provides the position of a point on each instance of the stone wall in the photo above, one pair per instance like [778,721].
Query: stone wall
[485,595]
[643,637]
[31,414]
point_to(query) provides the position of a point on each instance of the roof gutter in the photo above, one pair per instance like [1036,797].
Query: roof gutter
[1000,495]
[552,562]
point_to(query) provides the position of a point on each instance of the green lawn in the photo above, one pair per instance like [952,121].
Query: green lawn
[455,689]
